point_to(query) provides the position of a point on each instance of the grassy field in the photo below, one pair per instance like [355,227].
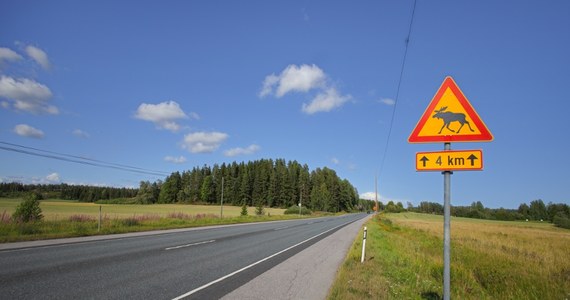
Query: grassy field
[489,260]
[55,209]
[71,218]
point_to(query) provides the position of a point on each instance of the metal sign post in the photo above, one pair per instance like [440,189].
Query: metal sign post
[447,114]
[446,230]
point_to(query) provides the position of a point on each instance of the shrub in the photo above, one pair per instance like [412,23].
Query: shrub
[244,210]
[259,211]
[560,220]
[29,210]
[295,210]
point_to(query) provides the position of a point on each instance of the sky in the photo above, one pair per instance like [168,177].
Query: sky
[166,86]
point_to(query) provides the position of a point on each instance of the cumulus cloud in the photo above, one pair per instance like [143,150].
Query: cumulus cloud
[177,160]
[28,131]
[203,142]
[53,178]
[7,54]
[242,151]
[303,79]
[294,79]
[369,196]
[387,101]
[163,115]
[27,95]
[325,101]
[383,199]
[80,133]
[39,56]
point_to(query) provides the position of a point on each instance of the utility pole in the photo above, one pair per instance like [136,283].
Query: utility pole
[222,200]
[376,192]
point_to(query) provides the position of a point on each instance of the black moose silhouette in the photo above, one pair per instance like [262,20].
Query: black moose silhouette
[449,117]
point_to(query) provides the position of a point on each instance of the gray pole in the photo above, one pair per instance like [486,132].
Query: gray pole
[222,200]
[99,227]
[446,230]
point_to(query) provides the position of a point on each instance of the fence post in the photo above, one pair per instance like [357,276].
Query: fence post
[363,246]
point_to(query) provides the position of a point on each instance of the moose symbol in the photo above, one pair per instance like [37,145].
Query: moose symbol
[449,117]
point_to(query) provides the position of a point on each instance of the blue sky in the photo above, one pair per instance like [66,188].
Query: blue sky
[171,85]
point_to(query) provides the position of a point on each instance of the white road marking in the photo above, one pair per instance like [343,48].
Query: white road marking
[189,245]
[253,264]
[280,228]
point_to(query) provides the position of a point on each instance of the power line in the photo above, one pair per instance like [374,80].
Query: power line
[78,159]
[397,90]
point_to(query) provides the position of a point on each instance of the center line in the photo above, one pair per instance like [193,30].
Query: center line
[189,245]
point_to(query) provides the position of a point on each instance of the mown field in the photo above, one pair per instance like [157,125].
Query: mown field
[64,218]
[489,260]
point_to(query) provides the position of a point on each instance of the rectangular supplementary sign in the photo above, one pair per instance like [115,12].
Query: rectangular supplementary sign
[451,160]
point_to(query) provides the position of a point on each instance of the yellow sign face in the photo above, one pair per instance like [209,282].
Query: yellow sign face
[451,160]
[450,118]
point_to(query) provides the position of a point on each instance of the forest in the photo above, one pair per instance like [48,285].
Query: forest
[266,182]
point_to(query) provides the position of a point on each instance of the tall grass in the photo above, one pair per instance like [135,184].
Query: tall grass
[489,260]
[84,225]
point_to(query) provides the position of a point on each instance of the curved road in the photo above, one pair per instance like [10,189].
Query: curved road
[195,264]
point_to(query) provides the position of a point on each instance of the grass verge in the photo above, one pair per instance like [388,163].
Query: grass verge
[71,218]
[489,260]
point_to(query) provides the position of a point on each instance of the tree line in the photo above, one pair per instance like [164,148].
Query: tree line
[557,213]
[83,193]
[265,182]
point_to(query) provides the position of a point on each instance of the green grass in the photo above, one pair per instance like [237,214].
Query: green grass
[56,209]
[71,218]
[489,260]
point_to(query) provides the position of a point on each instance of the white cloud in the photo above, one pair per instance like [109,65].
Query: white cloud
[268,84]
[163,115]
[294,79]
[28,131]
[387,101]
[369,196]
[194,116]
[203,142]
[242,151]
[7,54]
[80,133]
[335,161]
[53,177]
[39,56]
[303,79]
[177,160]
[383,199]
[27,95]
[325,101]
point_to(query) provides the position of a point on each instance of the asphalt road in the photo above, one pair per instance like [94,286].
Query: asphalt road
[196,264]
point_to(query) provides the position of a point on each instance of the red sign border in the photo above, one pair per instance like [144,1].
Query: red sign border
[485,135]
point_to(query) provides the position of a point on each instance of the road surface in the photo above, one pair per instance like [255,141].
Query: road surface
[194,264]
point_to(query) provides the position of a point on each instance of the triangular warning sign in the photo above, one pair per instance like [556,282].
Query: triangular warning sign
[450,118]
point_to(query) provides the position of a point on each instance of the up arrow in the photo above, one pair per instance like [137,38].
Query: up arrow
[472,158]
[424,160]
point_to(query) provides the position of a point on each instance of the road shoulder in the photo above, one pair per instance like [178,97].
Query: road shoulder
[307,275]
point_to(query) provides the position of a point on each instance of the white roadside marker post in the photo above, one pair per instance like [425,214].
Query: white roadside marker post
[363,246]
